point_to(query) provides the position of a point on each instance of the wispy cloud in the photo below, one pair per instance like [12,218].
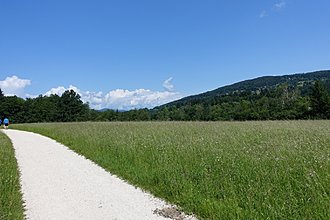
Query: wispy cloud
[167,84]
[263,14]
[280,4]
[14,85]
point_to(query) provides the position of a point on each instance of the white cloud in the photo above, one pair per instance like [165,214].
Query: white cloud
[280,5]
[30,96]
[56,91]
[94,99]
[60,90]
[263,14]
[14,85]
[116,99]
[140,98]
[123,99]
[167,84]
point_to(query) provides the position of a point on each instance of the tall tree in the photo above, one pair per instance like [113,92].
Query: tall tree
[320,101]
[71,107]
[12,107]
[1,94]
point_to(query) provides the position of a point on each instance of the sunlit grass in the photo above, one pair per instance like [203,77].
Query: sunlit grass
[10,197]
[217,170]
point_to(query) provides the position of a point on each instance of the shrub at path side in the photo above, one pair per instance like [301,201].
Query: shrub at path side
[219,170]
[11,207]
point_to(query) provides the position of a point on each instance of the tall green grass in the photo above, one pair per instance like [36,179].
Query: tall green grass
[11,205]
[217,170]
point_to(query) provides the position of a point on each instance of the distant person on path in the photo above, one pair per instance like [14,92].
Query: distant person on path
[0,122]
[5,123]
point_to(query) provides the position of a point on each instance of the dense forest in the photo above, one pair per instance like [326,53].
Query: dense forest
[67,107]
[303,82]
[299,96]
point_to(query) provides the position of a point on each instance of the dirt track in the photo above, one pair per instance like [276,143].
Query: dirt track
[60,184]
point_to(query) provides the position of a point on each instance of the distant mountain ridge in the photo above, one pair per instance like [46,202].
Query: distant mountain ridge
[301,80]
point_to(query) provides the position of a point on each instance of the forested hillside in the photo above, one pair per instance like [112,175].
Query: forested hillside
[302,82]
[299,96]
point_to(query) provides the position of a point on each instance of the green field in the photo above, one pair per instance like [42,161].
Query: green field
[217,170]
[10,197]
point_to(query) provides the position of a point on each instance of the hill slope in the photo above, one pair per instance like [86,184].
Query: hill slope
[297,96]
[303,81]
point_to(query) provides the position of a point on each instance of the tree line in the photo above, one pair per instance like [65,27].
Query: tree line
[53,108]
[281,103]
[284,102]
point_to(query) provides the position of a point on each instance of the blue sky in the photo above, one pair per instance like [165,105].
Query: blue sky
[131,54]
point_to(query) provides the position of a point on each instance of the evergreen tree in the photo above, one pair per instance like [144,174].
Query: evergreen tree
[1,94]
[71,108]
[320,101]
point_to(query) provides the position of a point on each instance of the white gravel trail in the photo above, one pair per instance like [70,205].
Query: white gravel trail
[57,183]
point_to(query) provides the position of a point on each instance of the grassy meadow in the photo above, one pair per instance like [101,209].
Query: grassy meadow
[217,170]
[11,207]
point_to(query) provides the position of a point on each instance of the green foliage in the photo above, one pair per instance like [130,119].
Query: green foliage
[71,108]
[299,96]
[1,94]
[68,107]
[320,101]
[12,107]
[11,205]
[266,98]
[42,109]
[217,170]
[303,81]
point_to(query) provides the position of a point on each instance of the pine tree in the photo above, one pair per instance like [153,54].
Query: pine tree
[320,101]
[1,94]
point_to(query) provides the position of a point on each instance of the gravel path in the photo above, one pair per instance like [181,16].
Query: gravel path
[60,184]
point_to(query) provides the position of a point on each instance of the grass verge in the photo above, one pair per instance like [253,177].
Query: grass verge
[217,170]
[11,205]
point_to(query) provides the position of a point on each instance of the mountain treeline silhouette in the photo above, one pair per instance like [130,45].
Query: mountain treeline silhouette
[298,96]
